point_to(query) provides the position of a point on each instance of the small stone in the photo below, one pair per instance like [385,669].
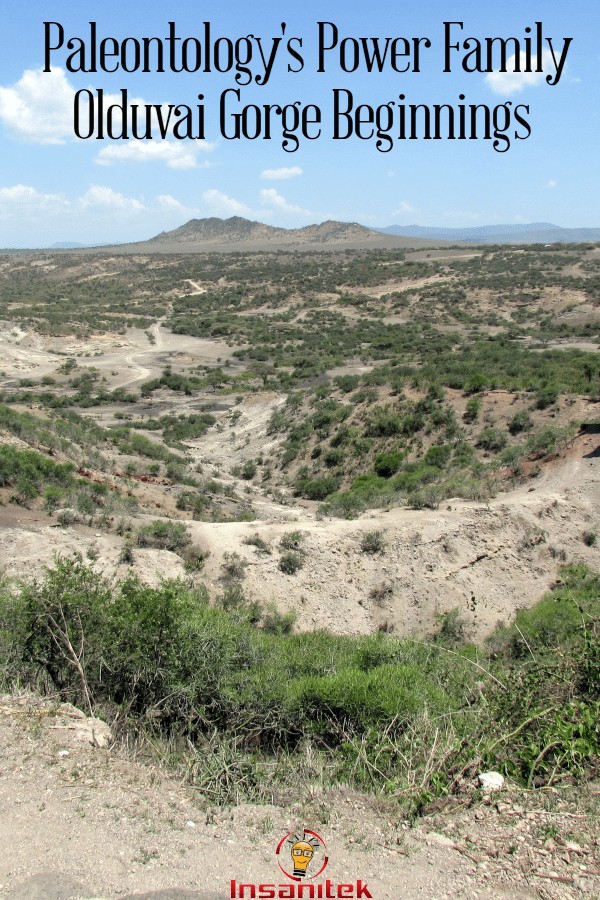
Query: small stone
[441,840]
[491,781]
[574,847]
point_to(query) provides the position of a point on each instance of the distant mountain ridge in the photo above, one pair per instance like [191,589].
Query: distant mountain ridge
[533,233]
[240,234]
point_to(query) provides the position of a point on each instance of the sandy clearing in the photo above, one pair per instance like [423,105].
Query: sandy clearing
[111,355]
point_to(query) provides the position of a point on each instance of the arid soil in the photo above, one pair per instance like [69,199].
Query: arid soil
[486,559]
[78,821]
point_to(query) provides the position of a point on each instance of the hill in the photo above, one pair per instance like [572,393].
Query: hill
[237,233]
[533,233]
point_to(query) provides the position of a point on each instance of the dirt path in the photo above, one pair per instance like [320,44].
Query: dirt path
[79,821]
[198,289]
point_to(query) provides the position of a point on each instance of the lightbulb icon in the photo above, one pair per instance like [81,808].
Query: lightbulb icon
[302,853]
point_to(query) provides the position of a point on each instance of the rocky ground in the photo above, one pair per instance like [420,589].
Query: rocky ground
[80,818]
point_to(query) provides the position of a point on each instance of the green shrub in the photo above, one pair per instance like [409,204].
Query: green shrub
[163,535]
[317,488]
[546,441]
[426,498]
[275,622]
[53,496]
[234,566]
[387,464]
[472,409]
[475,383]
[381,713]
[194,557]
[255,540]
[546,396]
[248,470]
[521,421]
[438,455]
[372,542]
[491,439]
[292,540]
[334,458]
[290,562]
[126,555]
[452,629]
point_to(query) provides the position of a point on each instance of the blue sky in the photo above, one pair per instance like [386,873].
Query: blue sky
[55,187]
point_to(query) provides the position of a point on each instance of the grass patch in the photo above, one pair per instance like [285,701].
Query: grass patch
[399,716]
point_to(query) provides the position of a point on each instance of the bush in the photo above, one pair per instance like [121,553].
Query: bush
[234,566]
[426,498]
[545,396]
[334,458]
[492,439]
[317,488]
[67,517]
[248,470]
[163,535]
[438,455]
[387,464]
[452,629]
[403,716]
[126,554]
[194,557]
[255,540]
[53,495]
[290,562]
[275,622]
[521,421]
[372,542]
[292,540]
[472,410]
[546,441]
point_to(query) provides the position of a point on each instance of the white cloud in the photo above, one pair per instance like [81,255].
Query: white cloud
[270,197]
[169,202]
[39,107]
[281,174]
[175,155]
[404,209]
[511,82]
[23,195]
[101,196]
[222,205]
[31,218]
[551,184]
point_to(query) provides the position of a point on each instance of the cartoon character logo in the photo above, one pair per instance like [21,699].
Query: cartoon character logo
[302,850]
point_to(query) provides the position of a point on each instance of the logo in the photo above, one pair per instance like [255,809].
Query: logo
[302,851]
[302,857]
